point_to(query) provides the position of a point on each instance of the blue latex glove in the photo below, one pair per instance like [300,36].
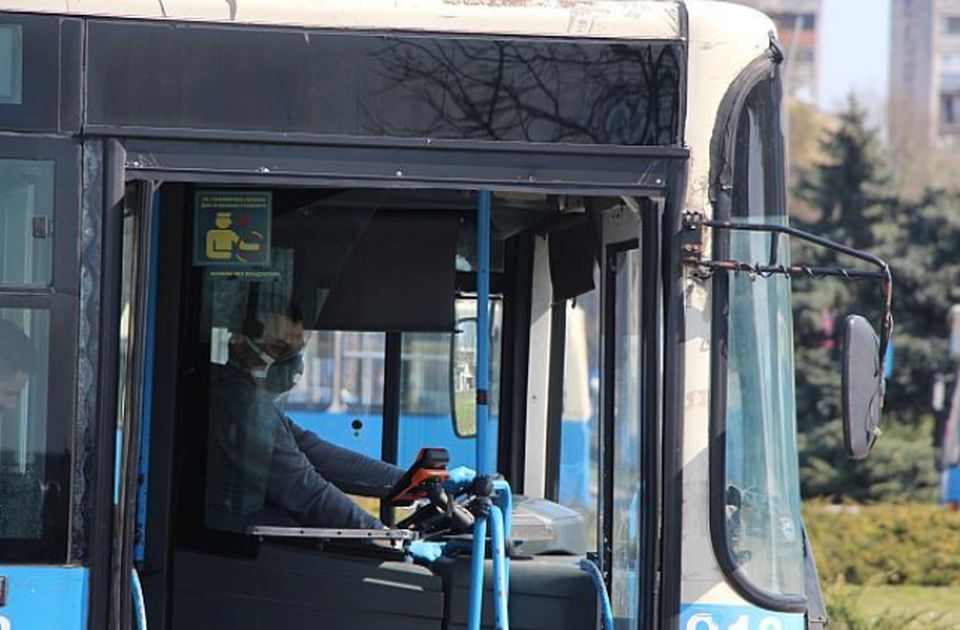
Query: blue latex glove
[425,552]
[459,479]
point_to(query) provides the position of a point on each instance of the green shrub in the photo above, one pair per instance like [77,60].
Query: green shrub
[916,544]
[847,611]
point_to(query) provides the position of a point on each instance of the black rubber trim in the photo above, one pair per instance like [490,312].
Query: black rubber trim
[723,146]
[651,416]
[674,383]
[558,347]
[514,369]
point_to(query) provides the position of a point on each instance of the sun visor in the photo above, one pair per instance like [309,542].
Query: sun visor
[573,258]
[400,275]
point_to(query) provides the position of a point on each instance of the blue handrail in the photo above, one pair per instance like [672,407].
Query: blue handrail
[499,513]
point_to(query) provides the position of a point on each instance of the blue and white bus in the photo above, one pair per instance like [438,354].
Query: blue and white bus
[165,165]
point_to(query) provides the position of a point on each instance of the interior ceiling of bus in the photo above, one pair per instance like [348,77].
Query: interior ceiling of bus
[640,19]
[511,212]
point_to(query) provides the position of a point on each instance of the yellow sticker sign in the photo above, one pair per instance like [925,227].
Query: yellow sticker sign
[232,228]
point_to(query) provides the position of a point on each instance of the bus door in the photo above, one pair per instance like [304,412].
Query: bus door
[629,415]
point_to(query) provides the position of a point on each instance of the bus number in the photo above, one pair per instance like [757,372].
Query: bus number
[704,621]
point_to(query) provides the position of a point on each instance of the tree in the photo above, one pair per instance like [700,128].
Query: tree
[854,201]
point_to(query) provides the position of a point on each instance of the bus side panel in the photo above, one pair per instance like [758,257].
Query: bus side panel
[951,486]
[44,598]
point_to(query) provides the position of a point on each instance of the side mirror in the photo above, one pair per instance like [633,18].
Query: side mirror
[463,379]
[862,387]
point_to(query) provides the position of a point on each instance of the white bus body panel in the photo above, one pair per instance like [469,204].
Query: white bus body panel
[724,39]
[551,18]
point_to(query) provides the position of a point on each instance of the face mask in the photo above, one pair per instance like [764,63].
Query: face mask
[277,376]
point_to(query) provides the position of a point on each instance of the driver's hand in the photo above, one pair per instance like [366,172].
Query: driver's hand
[459,479]
[425,552]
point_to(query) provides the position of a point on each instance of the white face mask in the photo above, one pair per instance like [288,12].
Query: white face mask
[277,376]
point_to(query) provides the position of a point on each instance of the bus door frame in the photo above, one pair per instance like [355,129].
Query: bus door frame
[564,169]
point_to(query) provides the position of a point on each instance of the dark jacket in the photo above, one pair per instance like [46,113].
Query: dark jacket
[263,469]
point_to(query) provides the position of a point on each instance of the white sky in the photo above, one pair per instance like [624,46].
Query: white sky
[854,52]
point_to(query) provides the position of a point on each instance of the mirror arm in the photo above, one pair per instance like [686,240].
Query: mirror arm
[694,223]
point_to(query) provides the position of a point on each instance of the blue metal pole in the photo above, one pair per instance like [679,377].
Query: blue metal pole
[475,611]
[484,451]
[484,461]
[500,614]
[504,498]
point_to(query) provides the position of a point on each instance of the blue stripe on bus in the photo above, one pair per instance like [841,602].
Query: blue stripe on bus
[951,485]
[45,598]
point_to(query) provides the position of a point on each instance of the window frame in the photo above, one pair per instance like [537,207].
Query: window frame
[51,52]
[765,68]
[59,299]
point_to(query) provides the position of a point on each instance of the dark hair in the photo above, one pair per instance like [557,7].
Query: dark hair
[261,305]
[16,350]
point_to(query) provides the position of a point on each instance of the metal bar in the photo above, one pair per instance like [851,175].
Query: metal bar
[475,610]
[500,614]
[797,271]
[804,236]
[390,432]
[884,274]
[483,459]
[322,533]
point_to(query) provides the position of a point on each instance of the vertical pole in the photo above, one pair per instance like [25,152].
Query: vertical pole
[484,461]
[501,617]
[484,449]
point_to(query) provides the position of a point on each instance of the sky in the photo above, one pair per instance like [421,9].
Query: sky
[854,53]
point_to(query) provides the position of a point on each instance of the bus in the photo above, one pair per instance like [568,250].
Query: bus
[613,173]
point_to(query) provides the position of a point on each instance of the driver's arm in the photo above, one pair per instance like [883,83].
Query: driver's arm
[298,488]
[350,471]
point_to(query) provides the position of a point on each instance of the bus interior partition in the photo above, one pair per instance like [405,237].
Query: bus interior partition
[385,280]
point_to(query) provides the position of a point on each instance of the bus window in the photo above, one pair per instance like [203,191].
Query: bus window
[763,522]
[579,427]
[627,445]
[11,64]
[24,341]
[425,388]
[26,216]
[340,396]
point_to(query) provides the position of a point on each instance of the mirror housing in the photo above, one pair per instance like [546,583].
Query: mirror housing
[862,386]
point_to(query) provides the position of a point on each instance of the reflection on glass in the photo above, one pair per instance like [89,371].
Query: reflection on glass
[24,341]
[580,423]
[762,497]
[11,64]
[430,361]
[627,447]
[340,396]
[26,222]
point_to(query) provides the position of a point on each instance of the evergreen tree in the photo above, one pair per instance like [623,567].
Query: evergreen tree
[854,203]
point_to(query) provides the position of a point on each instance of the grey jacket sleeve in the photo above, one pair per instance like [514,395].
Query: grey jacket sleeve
[296,486]
[350,471]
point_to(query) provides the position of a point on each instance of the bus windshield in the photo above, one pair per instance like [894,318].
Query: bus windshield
[764,531]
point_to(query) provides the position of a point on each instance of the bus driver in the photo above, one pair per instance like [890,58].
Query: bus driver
[263,469]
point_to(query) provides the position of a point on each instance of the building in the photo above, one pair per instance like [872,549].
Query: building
[797,23]
[924,74]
